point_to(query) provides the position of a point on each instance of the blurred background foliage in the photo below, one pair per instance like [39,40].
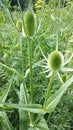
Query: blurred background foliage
[24,3]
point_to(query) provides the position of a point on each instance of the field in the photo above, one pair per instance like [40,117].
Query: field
[36,67]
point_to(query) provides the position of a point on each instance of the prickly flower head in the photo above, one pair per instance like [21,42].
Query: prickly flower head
[29,23]
[56,60]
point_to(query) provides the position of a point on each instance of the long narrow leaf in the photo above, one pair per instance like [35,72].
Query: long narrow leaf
[23,115]
[4,96]
[6,123]
[10,69]
[55,98]
[34,108]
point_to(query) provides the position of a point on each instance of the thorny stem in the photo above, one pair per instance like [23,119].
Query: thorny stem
[30,65]
[31,79]
[22,56]
[48,92]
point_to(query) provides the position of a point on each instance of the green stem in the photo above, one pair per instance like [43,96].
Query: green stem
[22,56]
[30,66]
[41,15]
[48,92]
[48,118]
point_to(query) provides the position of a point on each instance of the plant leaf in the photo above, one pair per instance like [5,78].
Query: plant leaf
[10,69]
[42,125]
[23,115]
[34,108]
[55,98]
[4,96]
[6,123]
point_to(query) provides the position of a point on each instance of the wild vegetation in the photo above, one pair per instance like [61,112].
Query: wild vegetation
[36,66]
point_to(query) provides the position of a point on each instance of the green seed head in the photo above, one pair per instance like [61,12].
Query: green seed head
[55,60]
[29,23]
[19,25]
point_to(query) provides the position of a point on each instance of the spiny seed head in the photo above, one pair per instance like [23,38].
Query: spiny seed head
[29,23]
[19,25]
[55,60]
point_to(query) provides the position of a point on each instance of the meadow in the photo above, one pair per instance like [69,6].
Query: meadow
[36,67]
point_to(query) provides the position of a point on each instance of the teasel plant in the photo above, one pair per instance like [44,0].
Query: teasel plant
[31,115]
[53,65]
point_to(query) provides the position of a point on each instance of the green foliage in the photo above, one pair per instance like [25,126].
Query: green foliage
[22,102]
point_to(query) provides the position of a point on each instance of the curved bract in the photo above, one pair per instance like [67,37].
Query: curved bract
[29,23]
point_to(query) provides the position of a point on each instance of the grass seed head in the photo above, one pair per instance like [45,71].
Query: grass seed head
[55,60]
[29,23]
